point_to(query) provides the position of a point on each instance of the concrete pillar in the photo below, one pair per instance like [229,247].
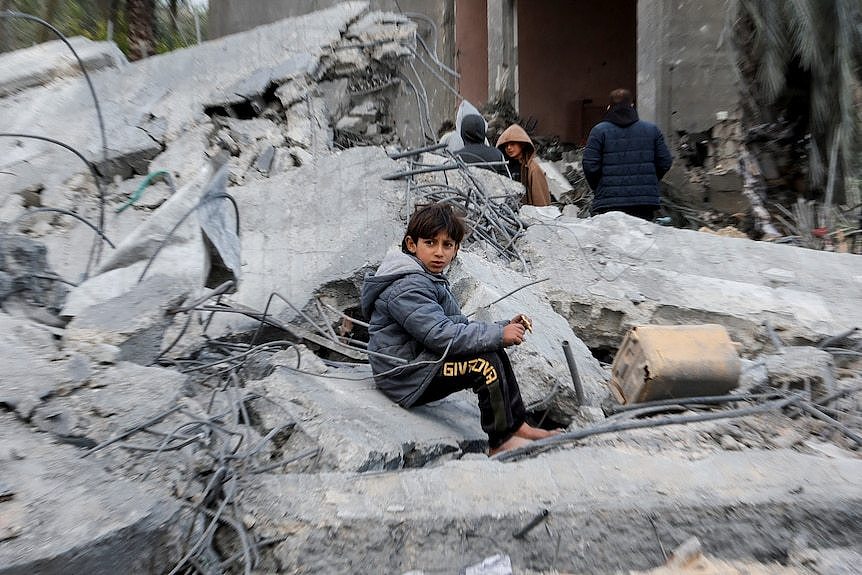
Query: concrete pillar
[502,49]
[653,88]
[686,70]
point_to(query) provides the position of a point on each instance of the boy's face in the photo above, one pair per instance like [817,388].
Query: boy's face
[435,253]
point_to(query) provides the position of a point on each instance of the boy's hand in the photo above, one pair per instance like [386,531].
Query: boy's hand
[523,320]
[513,334]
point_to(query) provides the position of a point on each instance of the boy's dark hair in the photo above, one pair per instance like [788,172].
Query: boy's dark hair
[430,219]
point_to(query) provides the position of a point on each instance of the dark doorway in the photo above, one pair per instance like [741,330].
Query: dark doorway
[571,54]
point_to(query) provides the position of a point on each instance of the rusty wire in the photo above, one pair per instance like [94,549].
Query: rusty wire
[542,445]
[492,219]
[218,433]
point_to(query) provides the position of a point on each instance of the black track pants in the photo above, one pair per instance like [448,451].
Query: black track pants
[490,376]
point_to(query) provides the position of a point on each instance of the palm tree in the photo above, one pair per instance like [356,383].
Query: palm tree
[801,61]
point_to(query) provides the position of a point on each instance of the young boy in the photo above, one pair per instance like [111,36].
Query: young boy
[423,347]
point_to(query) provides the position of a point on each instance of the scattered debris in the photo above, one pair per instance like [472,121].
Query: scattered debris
[206,373]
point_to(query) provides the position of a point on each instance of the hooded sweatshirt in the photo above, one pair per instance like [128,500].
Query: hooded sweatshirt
[624,160]
[414,318]
[475,150]
[532,175]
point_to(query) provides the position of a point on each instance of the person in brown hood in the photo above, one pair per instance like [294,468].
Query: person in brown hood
[517,145]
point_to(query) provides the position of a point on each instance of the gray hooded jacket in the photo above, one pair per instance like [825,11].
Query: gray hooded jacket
[414,316]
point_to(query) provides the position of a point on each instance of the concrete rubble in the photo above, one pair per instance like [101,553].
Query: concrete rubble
[184,387]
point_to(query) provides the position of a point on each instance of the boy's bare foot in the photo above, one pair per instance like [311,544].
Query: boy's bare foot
[513,442]
[529,432]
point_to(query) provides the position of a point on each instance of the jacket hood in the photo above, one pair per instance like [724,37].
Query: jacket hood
[473,129]
[622,115]
[395,265]
[516,133]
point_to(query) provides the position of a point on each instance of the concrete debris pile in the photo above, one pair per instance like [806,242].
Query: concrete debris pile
[185,386]
[752,181]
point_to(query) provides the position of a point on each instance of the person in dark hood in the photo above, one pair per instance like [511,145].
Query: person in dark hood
[625,159]
[517,145]
[422,348]
[475,150]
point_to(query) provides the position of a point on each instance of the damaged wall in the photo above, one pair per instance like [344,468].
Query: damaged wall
[686,70]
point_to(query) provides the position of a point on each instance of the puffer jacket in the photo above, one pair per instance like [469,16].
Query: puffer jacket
[414,316]
[624,160]
[532,175]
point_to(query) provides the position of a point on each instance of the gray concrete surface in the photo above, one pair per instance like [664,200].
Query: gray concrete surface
[539,362]
[360,429]
[163,95]
[599,501]
[685,71]
[51,61]
[67,515]
[291,260]
[232,16]
[614,271]
[312,223]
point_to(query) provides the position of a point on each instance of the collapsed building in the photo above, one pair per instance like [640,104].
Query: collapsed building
[753,98]
[184,384]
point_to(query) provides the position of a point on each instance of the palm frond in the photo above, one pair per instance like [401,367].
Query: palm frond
[816,167]
[804,19]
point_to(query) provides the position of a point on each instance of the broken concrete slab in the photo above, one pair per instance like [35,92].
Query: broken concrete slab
[558,185]
[360,429]
[263,79]
[27,379]
[539,362]
[25,274]
[116,398]
[185,154]
[50,61]
[596,266]
[429,510]
[158,87]
[292,261]
[170,242]
[135,322]
[308,127]
[174,222]
[375,29]
[72,245]
[246,141]
[801,367]
[29,375]
[69,515]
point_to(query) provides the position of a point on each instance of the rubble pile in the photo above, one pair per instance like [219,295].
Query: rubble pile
[753,180]
[185,385]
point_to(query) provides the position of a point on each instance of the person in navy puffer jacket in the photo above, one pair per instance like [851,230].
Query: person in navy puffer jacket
[624,161]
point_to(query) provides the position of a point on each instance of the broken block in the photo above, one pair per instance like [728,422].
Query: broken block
[663,362]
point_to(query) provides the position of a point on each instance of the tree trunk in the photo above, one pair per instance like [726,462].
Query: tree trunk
[5,40]
[141,37]
[172,37]
[107,13]
[49,16]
